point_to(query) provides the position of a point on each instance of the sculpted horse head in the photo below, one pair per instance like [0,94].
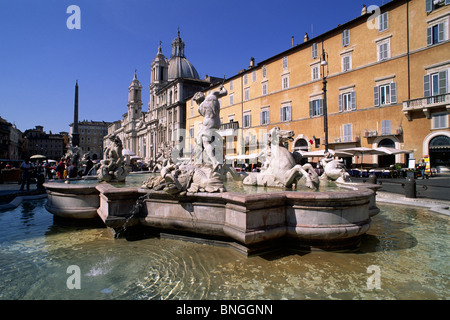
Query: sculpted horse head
[279,136]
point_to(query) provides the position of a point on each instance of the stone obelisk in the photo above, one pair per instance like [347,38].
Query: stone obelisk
[75,134]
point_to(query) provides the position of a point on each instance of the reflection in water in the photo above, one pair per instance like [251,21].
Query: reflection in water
[410,246]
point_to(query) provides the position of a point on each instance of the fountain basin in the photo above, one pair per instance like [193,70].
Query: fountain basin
[73,201]
[250,222]
[325,220]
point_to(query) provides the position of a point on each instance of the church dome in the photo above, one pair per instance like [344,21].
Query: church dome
[179,66]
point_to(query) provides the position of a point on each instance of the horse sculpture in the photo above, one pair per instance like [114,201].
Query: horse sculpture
[281,167]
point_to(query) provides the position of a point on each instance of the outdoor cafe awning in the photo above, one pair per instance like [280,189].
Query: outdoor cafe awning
[321,153]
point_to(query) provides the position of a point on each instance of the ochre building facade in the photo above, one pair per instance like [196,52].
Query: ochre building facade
[386,85]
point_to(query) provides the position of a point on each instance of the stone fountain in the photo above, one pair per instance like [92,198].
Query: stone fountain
[190,198]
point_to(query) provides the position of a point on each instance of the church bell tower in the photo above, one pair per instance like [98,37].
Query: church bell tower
[134,99]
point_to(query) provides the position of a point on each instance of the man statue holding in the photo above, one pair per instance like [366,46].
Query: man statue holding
[209,108]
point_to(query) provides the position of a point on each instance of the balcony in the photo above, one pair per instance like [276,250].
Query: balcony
[353,139]
[426,105]
[373,133]
[228,129]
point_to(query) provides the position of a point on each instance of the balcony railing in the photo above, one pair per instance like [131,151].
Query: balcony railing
[345,139]
[426,104]
[230,125]
[372,133]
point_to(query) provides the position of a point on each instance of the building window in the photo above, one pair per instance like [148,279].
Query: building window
[285,113]
[314,51]
[254,76]
[315,72]
[384,49]
[435,84]
[231,97]
[385,94]
[345,37]
[191,131]
[346,62]
[285,82]
[439,121]
[265,116]
[383,22]
[264,71]
[245,79]
[246,123]
[264,88]
[431,5]
[285,63]
[347,101]
[316,108]
[231,85]
[437,33]
[347,129]
[246,94]
[385,127]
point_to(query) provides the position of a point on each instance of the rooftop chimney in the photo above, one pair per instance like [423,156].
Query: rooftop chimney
[292,41]
[364,10]
[252,62]
[306,38]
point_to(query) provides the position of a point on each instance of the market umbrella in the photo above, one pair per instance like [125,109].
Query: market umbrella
[321,153]
[362,151]
[128,152]
[38,156]
[392,150]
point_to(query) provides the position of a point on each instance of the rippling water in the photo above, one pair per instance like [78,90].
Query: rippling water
[410,246]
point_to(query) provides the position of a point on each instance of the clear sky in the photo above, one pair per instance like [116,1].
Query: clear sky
[41,59]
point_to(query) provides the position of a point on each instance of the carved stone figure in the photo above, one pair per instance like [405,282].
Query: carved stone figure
[209,108]
[182,178]
[74,153]
[206,172]
[113,167]
[281,168]
[334,170]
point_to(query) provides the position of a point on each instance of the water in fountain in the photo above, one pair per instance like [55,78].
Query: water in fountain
[408,244]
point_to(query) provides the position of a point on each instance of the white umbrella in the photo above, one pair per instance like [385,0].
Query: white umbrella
[128,152]
[38,156]
[392,150]
[362,151]
[321,153]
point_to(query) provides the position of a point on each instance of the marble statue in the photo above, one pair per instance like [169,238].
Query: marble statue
[209,108]
[281,168]
[113,166]
[206,172]
[334,170]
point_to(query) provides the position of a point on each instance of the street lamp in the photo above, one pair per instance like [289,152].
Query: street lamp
[324,63]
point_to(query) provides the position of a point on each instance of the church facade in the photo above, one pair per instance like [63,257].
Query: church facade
[173,80]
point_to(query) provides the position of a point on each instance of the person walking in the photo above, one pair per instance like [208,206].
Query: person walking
[26,168]
[422,167]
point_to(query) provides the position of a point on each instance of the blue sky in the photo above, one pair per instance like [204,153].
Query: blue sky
[40,58]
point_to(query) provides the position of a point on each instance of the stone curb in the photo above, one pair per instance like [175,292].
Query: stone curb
[18,200]
[437,206]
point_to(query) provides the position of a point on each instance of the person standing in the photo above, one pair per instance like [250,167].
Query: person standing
[26,168]
[422,167]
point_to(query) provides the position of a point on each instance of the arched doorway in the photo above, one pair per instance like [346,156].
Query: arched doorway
[439,149]
[387,160]
[301,145]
